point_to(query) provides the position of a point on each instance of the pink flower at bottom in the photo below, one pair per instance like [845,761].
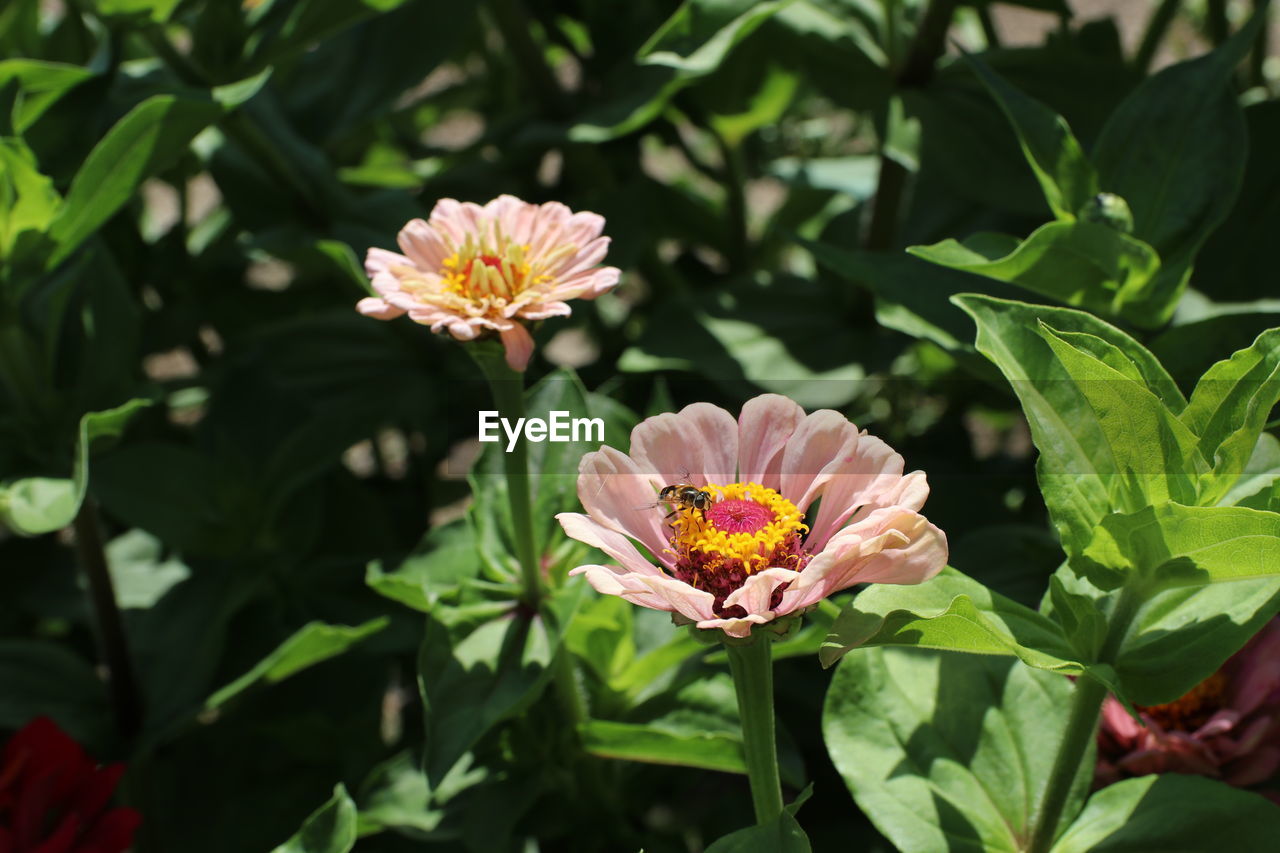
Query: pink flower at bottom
[1227,727]
[470,269]
[804,506]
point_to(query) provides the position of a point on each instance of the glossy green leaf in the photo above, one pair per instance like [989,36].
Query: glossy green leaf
[651,744]
[330,828]
[42,84]
[1077,263]
[36,505]
[1229,407]
[474,675]
[1169,545]
[1076,468]
[1191,814]
[147,140]
[947,752]
[444,561]
[311,644]
[28,201]
[1178,192]
[1155,455]
[1258,477]
[1060,165]
[697,37]
[1182,636]
[955,613]
[782,835]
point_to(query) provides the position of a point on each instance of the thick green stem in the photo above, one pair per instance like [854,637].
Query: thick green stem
[126,700]
[752,667]
[1161,18]
[1082,723]
[507,387]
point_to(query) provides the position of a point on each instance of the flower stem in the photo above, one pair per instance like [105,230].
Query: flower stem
[1082,722]
[752,668]
[126,700]
[507,387]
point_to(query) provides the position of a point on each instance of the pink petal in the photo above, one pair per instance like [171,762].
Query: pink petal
[852,482]
[371,306]
[764,426]
[610,580]
[583,227]
[617,494]
[586,285]
[839,566]
[541,310]
[735,626]
[693,604]
[1117,721]
[924,556]
[701,441]
[519,346]
[821,443]
[423,246]
[380,260]
[756,592]
[611,542]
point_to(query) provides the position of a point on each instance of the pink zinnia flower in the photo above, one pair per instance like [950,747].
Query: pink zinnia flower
[762,550]
[55,799]
[472,269]
[1227,727]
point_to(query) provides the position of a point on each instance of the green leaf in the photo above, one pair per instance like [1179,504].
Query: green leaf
[955,613]
[147,140]
[1172,812]
[284,28]
[1182,636]
[1155,455]
[42,678]
[1175,150]
[473,676]
[330,829]
[1229,407]
[1169,545]
[947,752]
[782,835]
[700,34]
[41,83]
[1060,165]
[37,505]
[1260,474]
[157,11]
[1077,263]
[28,202]
[445,560]
[1076,464]
[141,571]
[651,744]
[311,644]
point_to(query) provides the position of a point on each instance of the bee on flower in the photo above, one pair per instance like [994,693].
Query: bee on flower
[803,506]
[475,271]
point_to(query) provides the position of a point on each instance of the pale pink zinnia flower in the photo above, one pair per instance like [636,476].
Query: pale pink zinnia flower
[1227,727]
[469,269]
[762,550]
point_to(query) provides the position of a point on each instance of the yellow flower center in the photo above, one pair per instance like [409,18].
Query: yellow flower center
[747,525]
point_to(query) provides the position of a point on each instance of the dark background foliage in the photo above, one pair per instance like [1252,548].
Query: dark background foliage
[289,442]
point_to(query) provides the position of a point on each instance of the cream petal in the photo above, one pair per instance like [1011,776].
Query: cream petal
[385,283]
[820,444]
[610,580]
[583,227]
[616,545]
[541,310]
[548,229]
[764,426]
[700,441]
[756,592]
[838,567]
[738,626]
[423,246]
[463,330]
[586,285]
[874,469]
[380,309]
[519,346]
[381,260]
[921,558]
[616,493]
[694,604]
[584,259]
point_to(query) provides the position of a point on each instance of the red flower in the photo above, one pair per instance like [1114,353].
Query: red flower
[1227,727]
[53,796]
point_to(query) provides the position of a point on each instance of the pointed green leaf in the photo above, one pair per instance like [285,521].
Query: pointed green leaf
[330,829]
[1065,174]
[696,39]
[1077,263]
[782,835]
[1190,814]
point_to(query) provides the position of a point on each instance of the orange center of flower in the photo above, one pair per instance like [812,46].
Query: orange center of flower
[1192,710]
[748,529]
